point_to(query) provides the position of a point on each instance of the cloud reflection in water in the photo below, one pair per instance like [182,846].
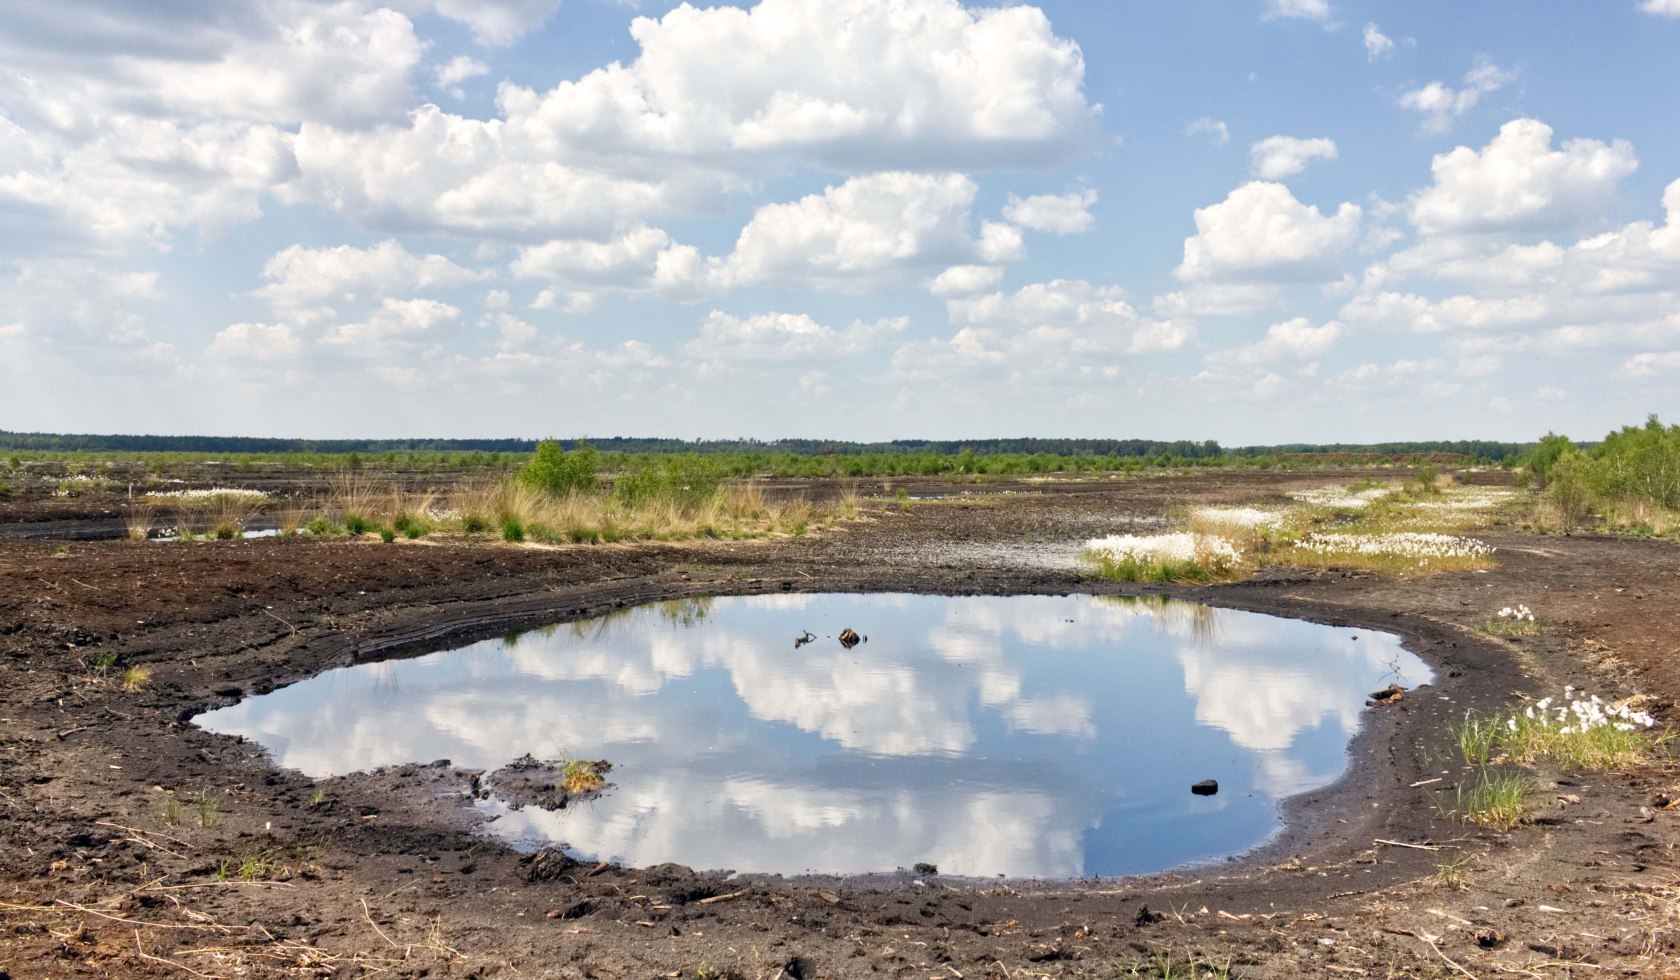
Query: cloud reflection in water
[1049,736]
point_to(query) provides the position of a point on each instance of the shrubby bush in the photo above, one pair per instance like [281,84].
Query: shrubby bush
[559,473]
[685,480]
[1636,468]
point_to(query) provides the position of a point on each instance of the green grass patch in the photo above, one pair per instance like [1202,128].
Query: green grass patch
[1153,570]
[1583,734]
[1454,873]
[1492,798]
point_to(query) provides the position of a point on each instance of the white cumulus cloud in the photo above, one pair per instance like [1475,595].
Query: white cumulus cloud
[302,277]
[1315,10]
[1377,44]
[1442,105]
[965,280]
[1058,214]
[726,340]
[1261,233]
[494,22]
[717,99]
[867,228]
[1518,182]
[1294,339]
[1277,157]
[456,70]
[1043,330]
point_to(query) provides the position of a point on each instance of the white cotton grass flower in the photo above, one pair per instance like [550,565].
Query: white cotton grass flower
[1522,614]
[1163,557]
[1468,500]
[1180,547]
[1423,547]
[211,492]
[1340,498]
[1582,731]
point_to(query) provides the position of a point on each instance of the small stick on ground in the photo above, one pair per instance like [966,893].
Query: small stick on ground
[139,837]
[159,959]
[368,915]
[1448,960]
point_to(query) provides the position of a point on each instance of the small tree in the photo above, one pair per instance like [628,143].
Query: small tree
[558,473]
[1569,491]
[1543,457]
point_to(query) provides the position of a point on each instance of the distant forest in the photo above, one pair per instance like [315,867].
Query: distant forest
[1181,449]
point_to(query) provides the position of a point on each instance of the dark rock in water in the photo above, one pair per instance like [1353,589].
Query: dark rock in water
[1388,695]
[849,638]
[1206,787]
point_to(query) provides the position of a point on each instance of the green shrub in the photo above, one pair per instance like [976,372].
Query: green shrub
[388,534]
[513,529]
[357,524]
[1639,463]
[1568,490]
[559,473]
[685,481]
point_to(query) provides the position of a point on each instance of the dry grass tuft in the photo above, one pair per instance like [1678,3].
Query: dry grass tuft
[139,520]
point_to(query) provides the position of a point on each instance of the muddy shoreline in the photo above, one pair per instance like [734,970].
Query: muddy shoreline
[382,872]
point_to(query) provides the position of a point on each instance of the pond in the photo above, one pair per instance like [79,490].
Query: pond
[1026,736]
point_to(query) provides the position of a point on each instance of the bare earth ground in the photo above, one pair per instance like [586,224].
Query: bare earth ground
[382,874]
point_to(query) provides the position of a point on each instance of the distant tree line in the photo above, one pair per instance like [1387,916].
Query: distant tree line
[1469,448]
[1183,449]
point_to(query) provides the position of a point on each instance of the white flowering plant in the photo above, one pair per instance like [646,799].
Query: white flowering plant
[1183,556]
[210,493]
[1341,498]
[1578,731]
[1517,620]
[1396,551]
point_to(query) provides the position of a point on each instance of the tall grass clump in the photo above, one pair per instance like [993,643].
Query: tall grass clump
[1181,557]
[1248,529]
[1493,798]
[139,521]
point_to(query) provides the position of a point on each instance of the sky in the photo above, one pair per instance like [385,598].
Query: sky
[1256,221]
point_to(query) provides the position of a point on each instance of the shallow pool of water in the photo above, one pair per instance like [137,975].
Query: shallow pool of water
[1032,736]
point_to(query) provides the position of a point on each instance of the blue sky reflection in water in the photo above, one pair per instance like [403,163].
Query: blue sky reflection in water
[1051,736]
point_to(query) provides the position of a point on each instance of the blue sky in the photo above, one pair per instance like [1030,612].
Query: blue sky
[1255,221]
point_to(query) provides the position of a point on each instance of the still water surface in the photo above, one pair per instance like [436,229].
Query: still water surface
[1033,736]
